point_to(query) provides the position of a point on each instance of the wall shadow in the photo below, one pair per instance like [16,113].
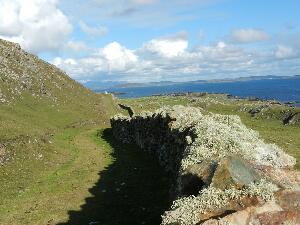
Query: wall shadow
[133,190]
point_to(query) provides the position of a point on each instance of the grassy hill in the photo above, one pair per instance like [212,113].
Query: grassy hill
[44,118]
[35,95]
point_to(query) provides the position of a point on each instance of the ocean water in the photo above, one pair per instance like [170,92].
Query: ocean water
[281,89]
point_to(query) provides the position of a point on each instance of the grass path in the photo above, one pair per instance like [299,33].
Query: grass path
[62,186]
[87,177]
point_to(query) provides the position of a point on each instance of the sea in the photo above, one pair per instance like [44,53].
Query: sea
[285,89]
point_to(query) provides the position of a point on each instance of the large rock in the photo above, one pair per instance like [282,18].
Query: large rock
[291,118]
[196,177]
[277,218]
[232,207]
[284,178]
[248,216]
[289,200]
[235,172]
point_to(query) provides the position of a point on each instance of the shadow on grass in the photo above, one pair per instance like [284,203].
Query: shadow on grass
[133,190]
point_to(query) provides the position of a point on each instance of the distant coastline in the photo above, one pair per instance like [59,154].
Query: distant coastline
[285,89]
[167,83]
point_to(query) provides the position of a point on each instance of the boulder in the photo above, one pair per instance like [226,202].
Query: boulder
[257,110]
[248,216]
[196,177]
[289,200]
[236,172]
[291,118]
[284,178]
[277,218]
[232,207]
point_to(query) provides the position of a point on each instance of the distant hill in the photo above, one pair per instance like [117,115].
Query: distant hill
[166,83]
[35,95]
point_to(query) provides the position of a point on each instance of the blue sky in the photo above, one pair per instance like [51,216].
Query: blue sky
[158,40]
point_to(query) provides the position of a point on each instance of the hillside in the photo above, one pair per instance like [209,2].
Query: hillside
[30,85]
[43,112]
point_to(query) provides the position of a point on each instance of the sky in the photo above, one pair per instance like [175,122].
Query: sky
[158,40]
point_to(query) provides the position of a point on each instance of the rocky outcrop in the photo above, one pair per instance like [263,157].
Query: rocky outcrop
[288,115]
[291,118]
[220,168]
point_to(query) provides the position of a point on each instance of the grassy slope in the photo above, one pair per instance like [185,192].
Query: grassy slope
[269,126]
[43,114]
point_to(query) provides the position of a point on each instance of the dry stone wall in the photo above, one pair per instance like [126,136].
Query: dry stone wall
[218,165]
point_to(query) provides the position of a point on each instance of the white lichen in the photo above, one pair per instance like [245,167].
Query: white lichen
[186,211]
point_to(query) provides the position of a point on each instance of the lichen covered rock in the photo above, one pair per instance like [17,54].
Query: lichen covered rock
[234,172]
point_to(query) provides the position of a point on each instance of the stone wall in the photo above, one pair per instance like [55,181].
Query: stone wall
[218,165]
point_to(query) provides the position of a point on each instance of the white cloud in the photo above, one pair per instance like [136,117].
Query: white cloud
[172,61]
[112,58]
[115,62]
[170,46]
[38,25]
[168,58]
[93,31]
[117,57]
[284,52]
[249,35]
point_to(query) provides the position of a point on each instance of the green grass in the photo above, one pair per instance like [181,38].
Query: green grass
[49,171]
[132,189]
[36,194]
[70,189]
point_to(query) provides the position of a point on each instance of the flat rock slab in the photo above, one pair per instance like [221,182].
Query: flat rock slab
[234,172]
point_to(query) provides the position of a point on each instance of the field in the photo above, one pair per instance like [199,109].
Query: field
[64,167]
